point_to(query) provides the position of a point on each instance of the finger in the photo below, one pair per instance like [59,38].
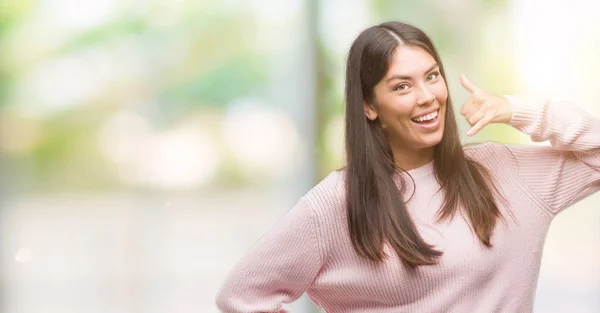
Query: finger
[481,123]
[476,117]
[479,97]
[471,106]
[469,86]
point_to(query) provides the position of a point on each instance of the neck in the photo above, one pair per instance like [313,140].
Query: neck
[411,159]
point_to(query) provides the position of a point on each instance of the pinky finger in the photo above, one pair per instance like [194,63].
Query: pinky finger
[481,123]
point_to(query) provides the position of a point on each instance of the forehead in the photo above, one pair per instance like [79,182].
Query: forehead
[410,61]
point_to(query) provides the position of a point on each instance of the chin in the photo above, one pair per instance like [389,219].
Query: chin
[432,140]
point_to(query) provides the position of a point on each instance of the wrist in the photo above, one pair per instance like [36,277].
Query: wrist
[508,110]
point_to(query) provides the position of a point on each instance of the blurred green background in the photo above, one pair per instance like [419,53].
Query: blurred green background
[146,145]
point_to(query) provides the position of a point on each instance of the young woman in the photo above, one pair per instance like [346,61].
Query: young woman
[416,222]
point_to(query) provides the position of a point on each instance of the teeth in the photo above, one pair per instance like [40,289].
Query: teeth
[427,117]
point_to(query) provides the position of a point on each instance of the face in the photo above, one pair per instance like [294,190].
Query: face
[410,100]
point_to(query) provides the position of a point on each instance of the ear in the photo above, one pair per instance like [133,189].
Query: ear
[370,112]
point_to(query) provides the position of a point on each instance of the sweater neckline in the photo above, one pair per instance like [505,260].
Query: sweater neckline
[419,172]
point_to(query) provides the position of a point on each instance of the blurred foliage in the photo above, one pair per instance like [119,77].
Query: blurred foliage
[11,13]
[105,33]
[218,63]
[240,76]
[203,60]
[68,154]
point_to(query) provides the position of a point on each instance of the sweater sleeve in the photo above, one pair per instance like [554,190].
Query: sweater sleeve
[569,169]
[278,269]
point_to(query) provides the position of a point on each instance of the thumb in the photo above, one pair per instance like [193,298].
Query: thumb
[469,86]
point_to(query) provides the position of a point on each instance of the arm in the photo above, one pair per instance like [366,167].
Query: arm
[278,269]
[568,170]
[560,175]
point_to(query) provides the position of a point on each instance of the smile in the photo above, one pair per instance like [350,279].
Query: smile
[427,117]
[429,121]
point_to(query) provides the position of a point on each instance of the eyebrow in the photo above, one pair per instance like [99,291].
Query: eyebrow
[401,77]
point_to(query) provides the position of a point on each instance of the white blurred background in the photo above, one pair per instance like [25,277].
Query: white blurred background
[146,145]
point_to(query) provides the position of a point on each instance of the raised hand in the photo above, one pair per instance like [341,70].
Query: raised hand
[483,107]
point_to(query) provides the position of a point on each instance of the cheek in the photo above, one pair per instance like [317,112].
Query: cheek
[441,92]
[403,109]
[394,107]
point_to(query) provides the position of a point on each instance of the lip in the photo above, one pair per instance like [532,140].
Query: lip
[423,114]
[434,126]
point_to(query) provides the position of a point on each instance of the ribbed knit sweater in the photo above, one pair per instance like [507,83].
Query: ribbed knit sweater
[309,250]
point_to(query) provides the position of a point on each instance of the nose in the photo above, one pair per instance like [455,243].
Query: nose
[426,97]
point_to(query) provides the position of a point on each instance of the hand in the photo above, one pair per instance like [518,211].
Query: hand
[484,108]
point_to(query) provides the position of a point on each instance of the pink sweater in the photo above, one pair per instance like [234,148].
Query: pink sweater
[310,251]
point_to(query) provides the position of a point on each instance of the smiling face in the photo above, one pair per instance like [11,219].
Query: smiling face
[410,100]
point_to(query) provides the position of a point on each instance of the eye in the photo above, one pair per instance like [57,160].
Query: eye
[401,87]
[433,76]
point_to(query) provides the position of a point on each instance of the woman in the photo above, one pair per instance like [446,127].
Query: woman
[415,222]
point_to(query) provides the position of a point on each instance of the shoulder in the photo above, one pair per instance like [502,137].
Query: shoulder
[327,199]
[510,156]
[330,191]
[328,208]
[481,150]
[491,154]
[499,159]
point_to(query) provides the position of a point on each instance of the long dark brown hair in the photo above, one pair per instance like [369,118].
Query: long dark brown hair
[376,210]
